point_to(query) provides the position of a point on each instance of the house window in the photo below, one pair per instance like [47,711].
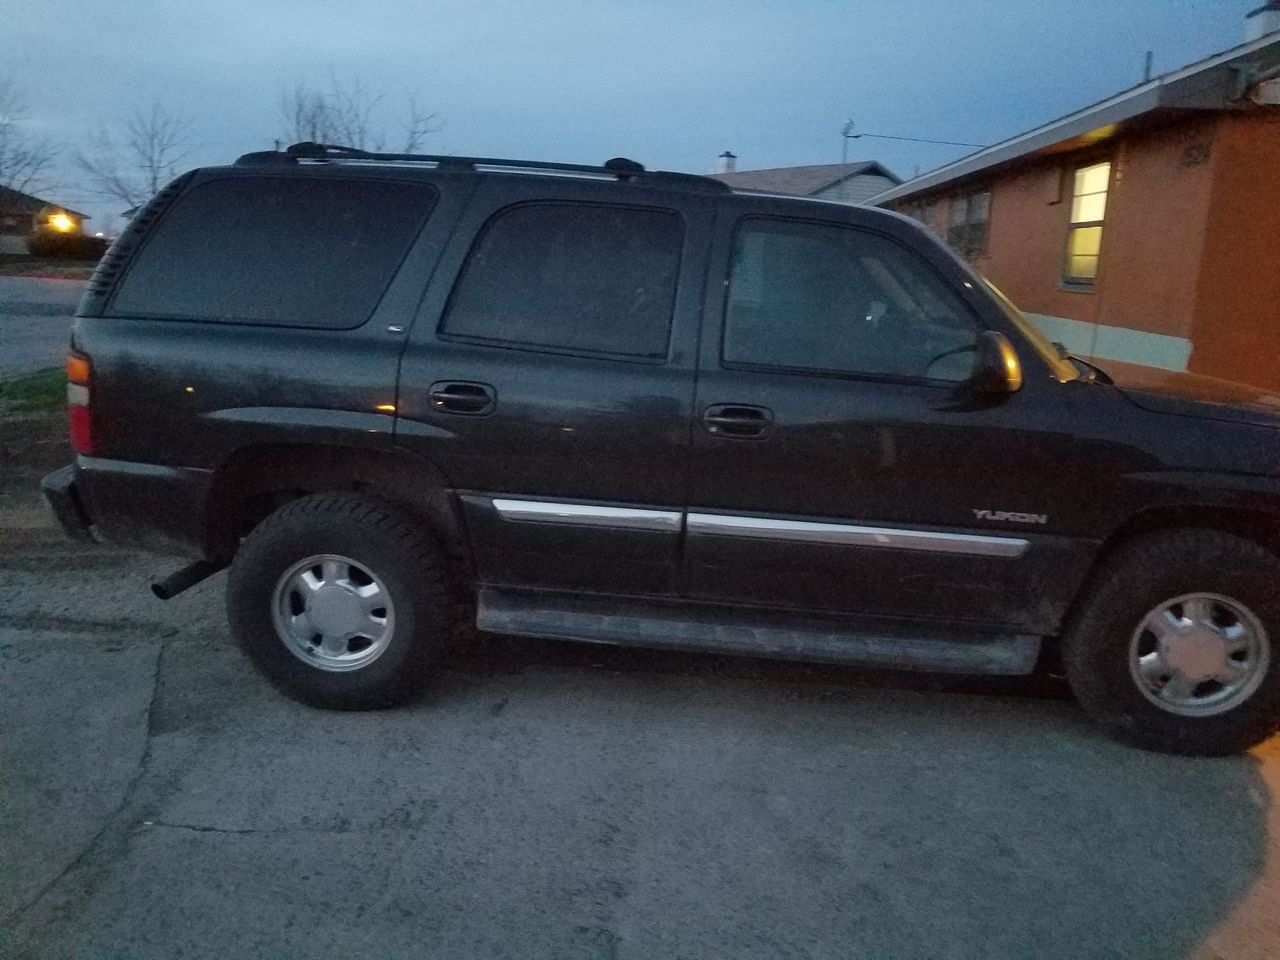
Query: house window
[1088,210]
[967,223]
[922,213]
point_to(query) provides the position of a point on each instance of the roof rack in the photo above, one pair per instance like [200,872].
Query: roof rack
[619,167]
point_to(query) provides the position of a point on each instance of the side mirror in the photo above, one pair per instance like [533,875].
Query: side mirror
[997,368]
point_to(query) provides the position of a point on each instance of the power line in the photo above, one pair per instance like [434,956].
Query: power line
[847,133]
[948,143]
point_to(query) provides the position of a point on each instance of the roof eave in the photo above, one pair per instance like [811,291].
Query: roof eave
[1209,85]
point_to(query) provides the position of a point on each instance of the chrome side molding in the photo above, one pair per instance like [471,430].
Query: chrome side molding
[589,515]
[762,528]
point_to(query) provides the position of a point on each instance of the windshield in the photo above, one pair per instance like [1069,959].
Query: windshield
[1062,368]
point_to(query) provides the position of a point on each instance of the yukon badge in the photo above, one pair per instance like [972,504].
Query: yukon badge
[1004,516]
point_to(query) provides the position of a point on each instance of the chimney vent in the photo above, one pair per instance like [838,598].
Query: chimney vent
[1262,22]
[727,162]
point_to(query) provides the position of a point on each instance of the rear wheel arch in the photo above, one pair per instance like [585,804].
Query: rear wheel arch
[255,481]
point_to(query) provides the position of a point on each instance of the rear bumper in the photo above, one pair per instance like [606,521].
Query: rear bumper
[143,505]
[59,489]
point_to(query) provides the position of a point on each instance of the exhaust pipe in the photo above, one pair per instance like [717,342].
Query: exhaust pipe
[186,578]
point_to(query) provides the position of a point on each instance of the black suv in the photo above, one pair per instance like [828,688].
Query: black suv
[400,394]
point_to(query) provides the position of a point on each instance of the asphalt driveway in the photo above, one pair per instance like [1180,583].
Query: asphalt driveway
[159,800]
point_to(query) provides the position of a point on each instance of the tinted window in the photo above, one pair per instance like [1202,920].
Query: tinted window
[571,276]
[827,298]
[281,250]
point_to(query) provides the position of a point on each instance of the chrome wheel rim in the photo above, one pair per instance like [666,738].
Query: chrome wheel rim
[1199,654]
[333,613]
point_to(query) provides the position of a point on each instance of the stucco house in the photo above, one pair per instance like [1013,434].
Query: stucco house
[1144,228]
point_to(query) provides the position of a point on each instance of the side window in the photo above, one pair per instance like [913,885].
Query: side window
[571,276]
[832,299]
[288,251]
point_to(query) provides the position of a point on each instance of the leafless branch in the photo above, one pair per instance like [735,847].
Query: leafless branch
[132,165]
[347,113]
[26,160]
[420,126]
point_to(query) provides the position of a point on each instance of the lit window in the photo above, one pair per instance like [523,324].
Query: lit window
[1088,210]
[967,223]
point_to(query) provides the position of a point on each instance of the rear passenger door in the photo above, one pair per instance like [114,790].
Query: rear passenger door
[549,375]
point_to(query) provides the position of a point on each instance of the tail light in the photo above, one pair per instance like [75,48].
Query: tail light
[79,387]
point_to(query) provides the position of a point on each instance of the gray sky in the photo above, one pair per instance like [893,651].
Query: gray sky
[670,83]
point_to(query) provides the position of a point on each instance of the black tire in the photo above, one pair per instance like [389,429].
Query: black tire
[380,539]
[1143,574]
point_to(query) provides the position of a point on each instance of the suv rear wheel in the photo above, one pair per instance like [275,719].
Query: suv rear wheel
[340,600]
[1176,647]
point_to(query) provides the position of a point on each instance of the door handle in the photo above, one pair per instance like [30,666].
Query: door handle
[740,421]
[462,396]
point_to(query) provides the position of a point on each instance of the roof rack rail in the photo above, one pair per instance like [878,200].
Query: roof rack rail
[619,167]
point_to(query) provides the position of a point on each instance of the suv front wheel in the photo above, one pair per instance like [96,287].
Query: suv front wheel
[1176,647]
[340,600]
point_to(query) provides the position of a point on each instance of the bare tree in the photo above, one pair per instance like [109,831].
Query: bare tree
[132,165]
[26,161]
[346,113]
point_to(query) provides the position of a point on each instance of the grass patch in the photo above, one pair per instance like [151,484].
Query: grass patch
[45,391]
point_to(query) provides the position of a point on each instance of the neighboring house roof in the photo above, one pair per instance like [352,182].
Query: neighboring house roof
[801,181]
[15,201]
[1216,83]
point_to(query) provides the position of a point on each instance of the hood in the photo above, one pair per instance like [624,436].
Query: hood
[1191,395]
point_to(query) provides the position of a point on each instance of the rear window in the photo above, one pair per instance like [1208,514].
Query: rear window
[571,277]
[290,251]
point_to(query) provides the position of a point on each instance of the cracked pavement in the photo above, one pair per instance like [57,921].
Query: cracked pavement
[159,800]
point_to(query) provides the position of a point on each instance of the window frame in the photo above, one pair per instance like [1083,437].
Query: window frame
[151,231]
[854,375]
[968,249]
[1068,280]
[564,351]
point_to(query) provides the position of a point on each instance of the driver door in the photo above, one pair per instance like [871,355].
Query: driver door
[836,465]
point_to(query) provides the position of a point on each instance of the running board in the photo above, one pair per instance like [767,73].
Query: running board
[710,629]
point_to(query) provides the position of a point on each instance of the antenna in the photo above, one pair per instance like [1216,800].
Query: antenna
[846,133]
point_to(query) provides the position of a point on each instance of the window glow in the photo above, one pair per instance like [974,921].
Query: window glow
[1093,179]
[62,223]
[1088,210]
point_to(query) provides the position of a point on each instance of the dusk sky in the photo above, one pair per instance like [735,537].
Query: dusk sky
[671,83]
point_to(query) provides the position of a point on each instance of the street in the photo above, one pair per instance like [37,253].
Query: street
[33,333]
[161,800]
